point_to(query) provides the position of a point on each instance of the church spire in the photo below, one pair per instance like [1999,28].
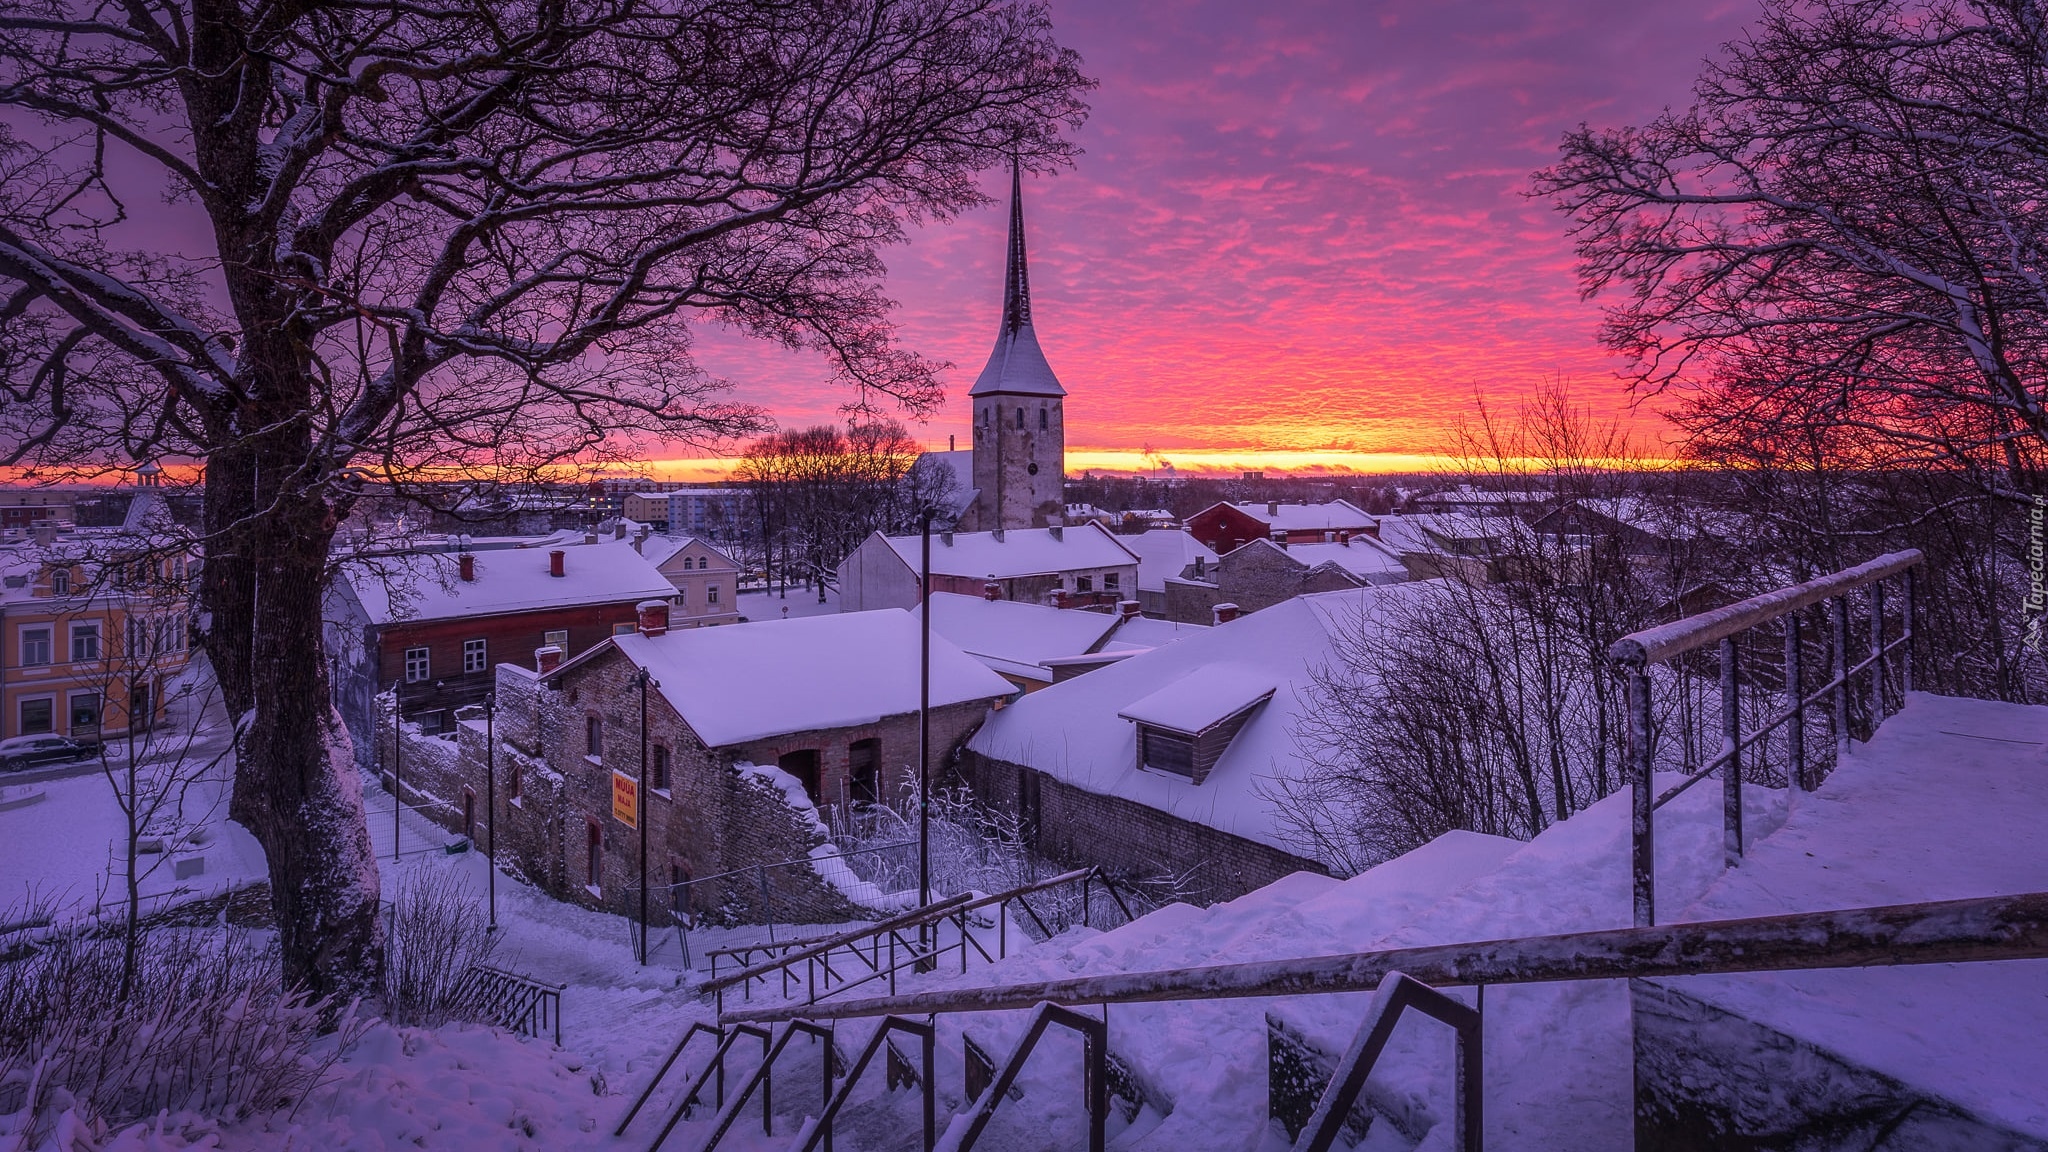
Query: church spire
[1017,277]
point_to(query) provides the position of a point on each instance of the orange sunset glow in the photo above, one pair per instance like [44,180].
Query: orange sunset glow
[1295,239]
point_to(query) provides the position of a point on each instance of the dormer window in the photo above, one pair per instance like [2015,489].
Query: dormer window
[60,583]
[1185,728]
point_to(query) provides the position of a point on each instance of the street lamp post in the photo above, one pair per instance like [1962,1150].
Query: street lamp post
[397,756]
[924,720]
[640,812]
[491,806]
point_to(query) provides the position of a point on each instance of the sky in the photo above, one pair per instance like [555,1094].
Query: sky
[1298,232]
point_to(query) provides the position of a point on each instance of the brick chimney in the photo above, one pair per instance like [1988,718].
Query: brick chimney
[992,591]
[1060,598]
[1225,613]
[555,559]
[547,658]
[619,528]
[465,566]
[1272,507]
[653,617]
[1128,609]
[590,537]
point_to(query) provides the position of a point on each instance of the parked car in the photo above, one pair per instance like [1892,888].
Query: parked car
[18,752]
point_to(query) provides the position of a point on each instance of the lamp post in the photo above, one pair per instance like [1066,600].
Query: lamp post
[491,806]
[397,755]
[924,719]
[640,810]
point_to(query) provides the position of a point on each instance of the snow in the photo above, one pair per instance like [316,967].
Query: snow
[1017,365]
[427,586]
[1076,731]
[742,682]
[1015,636]
[1021,552]
[1142,633]
[1337,514]
[777,606]
[1439,531]
[1950,800]
[1362,557]
[1202,699]
[1164,553]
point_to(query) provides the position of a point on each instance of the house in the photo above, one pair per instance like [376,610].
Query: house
[1225,526]
[735,745]
[1472,500]
[707,581]
[1475,549]
[94,625]
[1067,567]
[432,626]
[1263,573]
[1035,645]
[1168,763]
[1164,554]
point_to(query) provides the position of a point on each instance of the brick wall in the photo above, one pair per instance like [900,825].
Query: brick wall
[1127,839]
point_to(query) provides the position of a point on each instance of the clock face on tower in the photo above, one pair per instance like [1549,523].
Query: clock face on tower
[1032,468]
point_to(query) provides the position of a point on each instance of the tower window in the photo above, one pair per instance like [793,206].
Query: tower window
[1020,419]
[1044,421]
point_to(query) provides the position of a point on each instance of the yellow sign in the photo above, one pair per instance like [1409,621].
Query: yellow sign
[625,800]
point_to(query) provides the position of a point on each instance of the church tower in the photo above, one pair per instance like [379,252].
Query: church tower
[1020,433]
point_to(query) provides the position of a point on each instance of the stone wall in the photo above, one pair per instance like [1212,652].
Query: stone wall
[1124,838]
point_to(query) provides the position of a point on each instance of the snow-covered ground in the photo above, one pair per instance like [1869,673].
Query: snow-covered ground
[798,602]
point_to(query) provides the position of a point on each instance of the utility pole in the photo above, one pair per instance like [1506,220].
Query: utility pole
[491,806]
[640,812]
[397,755]
[924,720]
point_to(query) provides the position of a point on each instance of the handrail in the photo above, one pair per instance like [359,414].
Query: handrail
[761,1077]
[511,1001]
[1397,993]
[912,918]
[925,1033]
[1937,932]
[717,1062]
[660,1074]
[1095,1073]
[1656,645]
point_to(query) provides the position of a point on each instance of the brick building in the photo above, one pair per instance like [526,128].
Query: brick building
[1068,567]
[1264,573]
[753,733]
[433,626]
[1226,526]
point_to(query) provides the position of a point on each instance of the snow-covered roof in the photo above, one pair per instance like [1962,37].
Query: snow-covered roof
[1362,557]
[428,586]
[1424,532]
[1164,552]
[1143,632]
[1203,698]
[1014,637]
[1077,730]
[1307,517]
[744,682]
[1020,552]
[1017,365]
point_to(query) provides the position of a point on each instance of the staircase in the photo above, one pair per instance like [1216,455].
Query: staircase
[1542,1014]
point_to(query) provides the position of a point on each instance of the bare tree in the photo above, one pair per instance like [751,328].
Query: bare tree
[1843,230]
[446,237]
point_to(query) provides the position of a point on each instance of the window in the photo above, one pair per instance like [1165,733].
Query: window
[863,769]
[1084,584]
[622,629]
[593,736]
[474,656]
[85,641]
[711,593]
[1020,419]
[683,597]
[1109,582]
[512,784]
[679,890]
[1044,420]
[593,852]
[1167,752]
[657,774]
[60,583]
[35,646]
[416,665]
[559,639]
[85,712]
[38,716]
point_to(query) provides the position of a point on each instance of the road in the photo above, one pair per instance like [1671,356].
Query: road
[194,729]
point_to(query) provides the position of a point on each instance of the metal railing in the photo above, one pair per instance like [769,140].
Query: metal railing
[871,954]
[511,1001]
[1944,932]
[1637,653]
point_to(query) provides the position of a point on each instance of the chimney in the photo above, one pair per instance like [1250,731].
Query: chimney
[949,442]
[547,658]
[1225,613]
[1329,537]
[1127,609]
[640,544]
[1345,540]
[1280,537]
[653,617]
[1272,507]
[619,528]
[46,533]
[1059,598]
[465,565]
[992,591]
[996,534]
[590,537]
[555,559]
[1058,532]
